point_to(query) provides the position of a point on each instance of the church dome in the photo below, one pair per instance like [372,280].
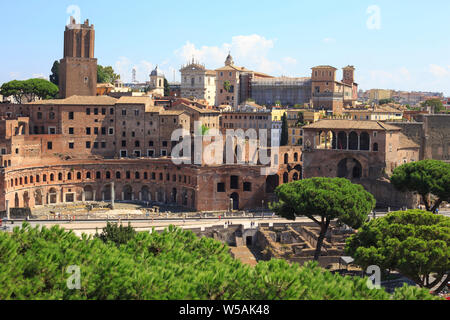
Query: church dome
[156,73]
[229,61]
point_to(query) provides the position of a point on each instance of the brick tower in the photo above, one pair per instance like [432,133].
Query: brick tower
[78,68]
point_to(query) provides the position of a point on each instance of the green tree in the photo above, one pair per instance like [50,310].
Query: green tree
[385,101]
[227,86]
[284,131]
[171,265]
[28,90]
[325,198]
[54,77]
[414,242]
[106,74]
[435,104]
[15,89]
[117,234]
[166,88]
[426,177]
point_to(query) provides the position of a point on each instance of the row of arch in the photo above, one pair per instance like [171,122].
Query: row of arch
[63,177]
[153,194]
[343,141]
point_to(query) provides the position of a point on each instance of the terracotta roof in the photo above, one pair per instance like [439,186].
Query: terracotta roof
[153,109]
[199,110]
[232,67]
[79,100]
[405,142]
[324,67]
[171,112]
[351,124]
[135,100]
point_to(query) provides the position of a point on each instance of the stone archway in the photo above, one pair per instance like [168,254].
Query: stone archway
[127,193]
[16,201]
[272,183]
[285,177]
[88,193]
[107,193]
[145,194]
[235,197]
[174,195]
[52,196]
[38,197]
[349,168]
[26,200]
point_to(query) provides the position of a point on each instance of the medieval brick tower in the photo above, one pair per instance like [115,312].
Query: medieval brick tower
[78,68]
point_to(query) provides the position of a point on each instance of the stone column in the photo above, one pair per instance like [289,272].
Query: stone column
[113,195]
[83,196]
[94,195]
[140,195]
[8,213]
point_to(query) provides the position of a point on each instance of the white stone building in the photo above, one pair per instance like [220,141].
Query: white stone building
[199,83]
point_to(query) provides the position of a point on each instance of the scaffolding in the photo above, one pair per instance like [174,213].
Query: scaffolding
[287,91]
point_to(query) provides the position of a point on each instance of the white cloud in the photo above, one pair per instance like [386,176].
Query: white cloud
[38,76]
[438,71]
[329,40]
[251,51]
[289,60]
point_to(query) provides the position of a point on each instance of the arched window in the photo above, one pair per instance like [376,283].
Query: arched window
[137,175]
[108,175]
[353,141]
[365,141]
[88,175]
[286,158]
[295,157]
[98,175]
[285,177]
[69,176]
[60,176]
[78,175]
[342,141]
[52,177]
[117,175]
[375,147]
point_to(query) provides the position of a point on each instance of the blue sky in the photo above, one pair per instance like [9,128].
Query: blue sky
[399,44]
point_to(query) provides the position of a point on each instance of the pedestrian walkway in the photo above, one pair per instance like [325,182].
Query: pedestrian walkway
[244,255]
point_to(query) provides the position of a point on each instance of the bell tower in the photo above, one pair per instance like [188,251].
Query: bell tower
[78,68]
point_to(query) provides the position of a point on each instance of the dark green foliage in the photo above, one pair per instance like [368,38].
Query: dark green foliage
[426,177]
[327,198]
[435,104]
[173,265]
[227,86]
[28,90]
[117,234]
[385,101]
[166,88]
[284,131]
[106,74]
[54,77]
[414,242]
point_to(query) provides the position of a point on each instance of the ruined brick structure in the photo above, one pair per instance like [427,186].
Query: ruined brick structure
[365,152]
[432,133]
